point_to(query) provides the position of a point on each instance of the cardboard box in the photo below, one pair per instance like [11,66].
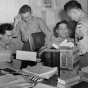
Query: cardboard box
[64,72]
[70,56]
[64,58]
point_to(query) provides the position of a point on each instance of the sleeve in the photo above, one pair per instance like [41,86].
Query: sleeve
[16,30]
[82,38]
[45,30]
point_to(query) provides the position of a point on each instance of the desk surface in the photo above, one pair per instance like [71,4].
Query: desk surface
[51,81]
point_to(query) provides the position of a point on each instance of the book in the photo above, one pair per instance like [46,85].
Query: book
[41,85]
[9,79]
[68,85]
[68,79]
[21,85]
[7,71]
[83,76]
[82,84]
[41,71]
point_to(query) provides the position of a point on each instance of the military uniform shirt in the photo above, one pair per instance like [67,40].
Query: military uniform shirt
[36,24]
[81,34]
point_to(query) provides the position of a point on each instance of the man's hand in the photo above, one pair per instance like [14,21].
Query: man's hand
[16,19]
[42,48]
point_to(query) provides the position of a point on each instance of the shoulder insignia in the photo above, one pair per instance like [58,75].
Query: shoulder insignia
[79,25]
[80,35]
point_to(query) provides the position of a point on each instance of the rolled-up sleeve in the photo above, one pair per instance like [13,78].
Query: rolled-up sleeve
[16,30]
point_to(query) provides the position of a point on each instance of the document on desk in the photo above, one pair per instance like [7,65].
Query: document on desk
[67,43]
[40,85]
[9,79]
[41,71]
[26,55]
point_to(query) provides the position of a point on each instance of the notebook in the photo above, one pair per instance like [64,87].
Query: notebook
[26,55]
[41,71]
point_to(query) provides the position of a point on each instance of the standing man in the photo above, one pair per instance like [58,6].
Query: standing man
[75,12]
[26,24]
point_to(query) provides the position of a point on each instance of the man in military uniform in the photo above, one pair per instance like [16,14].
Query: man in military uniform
[75,12]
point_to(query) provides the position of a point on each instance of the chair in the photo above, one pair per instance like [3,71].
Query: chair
[37,40]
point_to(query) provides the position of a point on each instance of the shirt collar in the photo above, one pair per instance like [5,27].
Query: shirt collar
[4,45]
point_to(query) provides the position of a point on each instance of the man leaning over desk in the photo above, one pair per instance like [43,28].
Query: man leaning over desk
[26,24]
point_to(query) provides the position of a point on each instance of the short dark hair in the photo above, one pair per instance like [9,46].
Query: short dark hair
[61,22]
[72,4]
[24,9]
[57,25]
[5,27]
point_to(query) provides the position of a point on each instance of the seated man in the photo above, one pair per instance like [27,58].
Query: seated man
[62,30]
[5,38]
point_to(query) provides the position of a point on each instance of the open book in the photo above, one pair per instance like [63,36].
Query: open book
[41,71]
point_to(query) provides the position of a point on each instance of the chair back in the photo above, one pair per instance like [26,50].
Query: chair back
[37,40]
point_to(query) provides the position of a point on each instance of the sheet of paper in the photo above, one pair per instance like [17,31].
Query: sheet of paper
[55,46]
[67,43]
[40,85]
[26,55]
[9,79]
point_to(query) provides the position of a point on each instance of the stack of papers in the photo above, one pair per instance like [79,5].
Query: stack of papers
[41,71]
[7,80]
[40,85]
[67,43]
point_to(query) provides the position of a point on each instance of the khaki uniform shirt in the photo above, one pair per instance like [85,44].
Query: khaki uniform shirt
[35,25]
[81,34]
[9,47]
